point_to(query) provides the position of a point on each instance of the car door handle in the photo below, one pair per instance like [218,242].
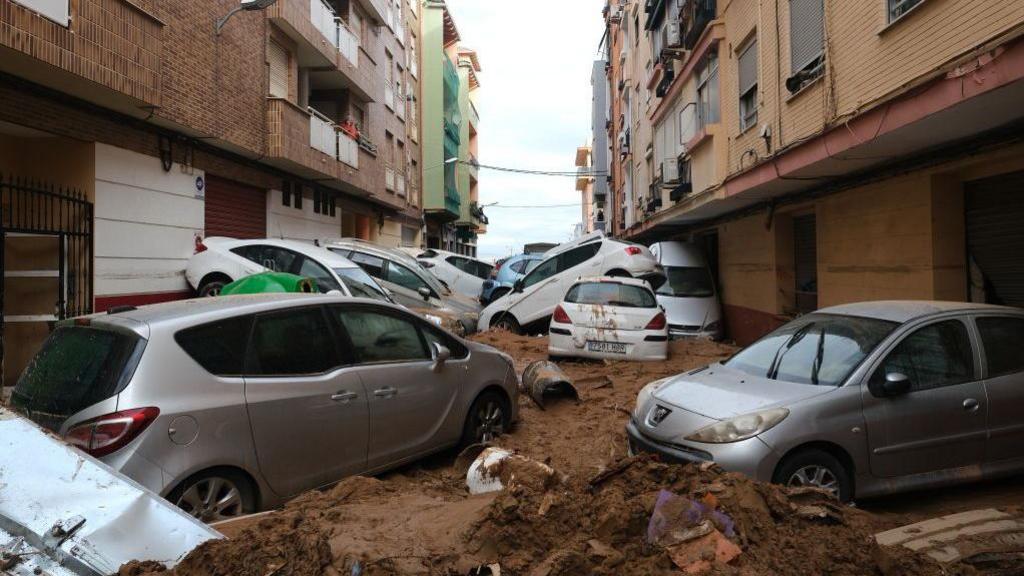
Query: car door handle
[344,396]
[971,405]
[387,392]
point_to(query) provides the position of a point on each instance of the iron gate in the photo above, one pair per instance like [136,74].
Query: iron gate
[34,208]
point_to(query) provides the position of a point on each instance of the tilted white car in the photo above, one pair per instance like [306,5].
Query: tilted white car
[220,261]
[617,318]
[533,299]
[462,274]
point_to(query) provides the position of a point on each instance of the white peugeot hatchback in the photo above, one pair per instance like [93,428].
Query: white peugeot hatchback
[530,304]
[616,318]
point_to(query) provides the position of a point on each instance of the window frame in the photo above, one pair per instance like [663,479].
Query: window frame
[901,335]
[984,349]
[748,108]
[187,331]
[708,80]
[890,6]
[343,334]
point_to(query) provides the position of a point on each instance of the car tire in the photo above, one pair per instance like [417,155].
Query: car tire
[506,321]
[212,286]
[233,495]
[816,468]
[489,417]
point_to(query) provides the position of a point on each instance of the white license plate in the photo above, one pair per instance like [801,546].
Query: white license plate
[613,347]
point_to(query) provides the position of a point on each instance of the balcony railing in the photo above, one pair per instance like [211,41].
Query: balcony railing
[348,149]
[389,178]
[400,105]
[400,184]
[414,132]
[323,134]
[703,12]
[335,30]
[389,95]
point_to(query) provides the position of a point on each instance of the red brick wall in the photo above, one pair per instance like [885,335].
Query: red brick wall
[111,42]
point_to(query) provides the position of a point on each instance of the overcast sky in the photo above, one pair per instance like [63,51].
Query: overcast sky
[534,105]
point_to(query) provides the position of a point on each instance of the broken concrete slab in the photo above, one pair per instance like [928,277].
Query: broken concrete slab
[987,534]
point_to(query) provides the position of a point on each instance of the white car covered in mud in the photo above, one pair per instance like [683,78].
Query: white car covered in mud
[609,317]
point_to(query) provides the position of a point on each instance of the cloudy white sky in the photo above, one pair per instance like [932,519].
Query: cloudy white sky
[534,104]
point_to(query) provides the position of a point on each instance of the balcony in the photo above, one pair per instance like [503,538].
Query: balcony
[309,144]
[389,95]
[474,116]
[400,184]
[583,179]
[325,44]
[698,14]
[389,178]
[473,167]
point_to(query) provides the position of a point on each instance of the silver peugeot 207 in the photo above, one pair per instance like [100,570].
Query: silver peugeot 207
[232,404]
[861,399]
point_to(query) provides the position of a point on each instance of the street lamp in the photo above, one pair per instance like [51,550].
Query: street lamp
[451,160]
[247,5]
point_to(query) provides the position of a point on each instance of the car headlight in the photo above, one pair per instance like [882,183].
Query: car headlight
[645,395]
[740,427]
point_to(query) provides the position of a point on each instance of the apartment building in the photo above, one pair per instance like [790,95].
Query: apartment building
[827,151]
[451,204]
[131,130]
[585,186]
[600,152]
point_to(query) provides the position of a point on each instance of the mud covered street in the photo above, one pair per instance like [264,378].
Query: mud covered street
[591,517]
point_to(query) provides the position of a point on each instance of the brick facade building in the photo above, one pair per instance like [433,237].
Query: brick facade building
[297,121]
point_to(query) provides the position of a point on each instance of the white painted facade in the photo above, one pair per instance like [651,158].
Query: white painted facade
[146,222]
[290,223]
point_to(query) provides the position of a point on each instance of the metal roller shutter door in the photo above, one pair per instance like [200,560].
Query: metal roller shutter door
[994,210]
[235,210]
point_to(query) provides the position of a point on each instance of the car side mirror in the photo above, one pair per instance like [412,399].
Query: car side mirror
[518,286]
[425,293]
[896,384]
[441,355]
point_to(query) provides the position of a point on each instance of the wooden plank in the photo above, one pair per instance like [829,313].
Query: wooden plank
[31,252]
[30,296]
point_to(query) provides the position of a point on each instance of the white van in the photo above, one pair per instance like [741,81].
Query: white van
[689,297]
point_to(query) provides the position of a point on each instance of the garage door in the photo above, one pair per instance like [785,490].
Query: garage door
[235,210]
[995,239]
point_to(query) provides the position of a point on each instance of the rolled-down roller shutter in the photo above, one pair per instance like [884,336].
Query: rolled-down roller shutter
[277,58]
[235,210]
[995,238]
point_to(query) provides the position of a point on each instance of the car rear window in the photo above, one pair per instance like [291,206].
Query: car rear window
[218,347]
[77,367]
[611,294]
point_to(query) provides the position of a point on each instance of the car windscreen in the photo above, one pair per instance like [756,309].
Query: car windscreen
[687,282]
[360,284]
[77,367]
[819,349]
[611,294]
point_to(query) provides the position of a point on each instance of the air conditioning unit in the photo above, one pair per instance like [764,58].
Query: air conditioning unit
[674,35]
[624,143]
[670,170]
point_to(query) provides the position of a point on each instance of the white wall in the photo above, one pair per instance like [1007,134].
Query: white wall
[291,223]
[146,223]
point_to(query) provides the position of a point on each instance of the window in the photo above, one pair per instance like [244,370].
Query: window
[707,91]
[934,356]
[1001,337]
[270,257]
[360,284]
[687,282]
[611,294]
[373,265]
[218,347]
[294,342]
[814,349]
[378,337]
[325,281]
[545,270]
[433,337]
[748,85]
[806,41]
[404,277]
[519,267]
[278,65]
[576,256]
[286,193]
[898,8]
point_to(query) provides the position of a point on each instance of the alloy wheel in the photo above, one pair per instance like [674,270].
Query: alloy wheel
[815,476]
[212,500]
[490,421]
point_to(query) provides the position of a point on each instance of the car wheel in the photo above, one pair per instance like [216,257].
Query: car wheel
[506,321]
[489,417]
[818,469]
[215,496]
[212,288]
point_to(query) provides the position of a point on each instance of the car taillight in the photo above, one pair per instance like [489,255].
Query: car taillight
[634,250]
[657,323]
[560,317]
[109,433]
[200,247]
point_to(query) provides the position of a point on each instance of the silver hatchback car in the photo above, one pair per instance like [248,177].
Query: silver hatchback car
[233,404]
[861,399]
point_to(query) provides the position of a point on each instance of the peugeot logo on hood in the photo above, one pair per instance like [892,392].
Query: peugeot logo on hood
[659,415]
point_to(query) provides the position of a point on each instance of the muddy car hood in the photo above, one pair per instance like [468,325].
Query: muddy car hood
[104,519]
[721,392]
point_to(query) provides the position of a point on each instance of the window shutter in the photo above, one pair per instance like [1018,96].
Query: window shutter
[748,67]
[806,32]
[278,59]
